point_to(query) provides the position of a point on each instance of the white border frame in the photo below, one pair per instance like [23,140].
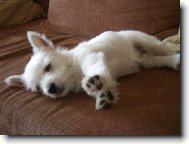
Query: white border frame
[132,140]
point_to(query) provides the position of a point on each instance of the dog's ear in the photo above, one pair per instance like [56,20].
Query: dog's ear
[39,42]
[15,80]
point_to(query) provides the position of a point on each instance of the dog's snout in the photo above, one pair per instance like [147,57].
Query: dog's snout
[53,89]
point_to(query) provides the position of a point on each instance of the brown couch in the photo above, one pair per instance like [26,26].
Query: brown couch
[150,99]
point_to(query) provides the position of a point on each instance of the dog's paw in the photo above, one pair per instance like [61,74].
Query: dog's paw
[175,48]
[103,89]
[171,48]
[176,62]
[92,84]
[106,99]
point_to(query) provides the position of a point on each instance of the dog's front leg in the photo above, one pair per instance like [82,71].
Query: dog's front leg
[103,88]
[98,81]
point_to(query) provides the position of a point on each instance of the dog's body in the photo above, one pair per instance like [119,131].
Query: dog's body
[93,65]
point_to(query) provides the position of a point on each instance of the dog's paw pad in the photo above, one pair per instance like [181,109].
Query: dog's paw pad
[105,100]
[110,95]
[103,104]
[94,83]
[107,106]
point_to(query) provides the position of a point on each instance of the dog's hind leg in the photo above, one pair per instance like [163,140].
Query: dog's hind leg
[157,48]
[171,61]
[150,44]
[98,81]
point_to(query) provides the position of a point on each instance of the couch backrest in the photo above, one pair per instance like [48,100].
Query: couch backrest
[91,17]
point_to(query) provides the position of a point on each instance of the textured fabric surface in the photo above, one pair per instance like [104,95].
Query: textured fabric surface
[43,3]
[149,104]
[91,17]
[19,11]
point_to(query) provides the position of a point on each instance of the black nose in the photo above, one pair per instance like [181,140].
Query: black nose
[52,88]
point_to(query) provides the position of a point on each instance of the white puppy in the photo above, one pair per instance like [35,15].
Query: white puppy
[92,65]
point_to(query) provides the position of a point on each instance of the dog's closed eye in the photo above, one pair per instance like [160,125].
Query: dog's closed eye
[47,68]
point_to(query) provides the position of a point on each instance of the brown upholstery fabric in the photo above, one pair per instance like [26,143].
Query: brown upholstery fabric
[44,4]
[91,17]
[149,104]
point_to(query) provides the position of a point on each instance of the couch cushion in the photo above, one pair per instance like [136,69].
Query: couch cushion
[91,17]
[149,104]
[19,11]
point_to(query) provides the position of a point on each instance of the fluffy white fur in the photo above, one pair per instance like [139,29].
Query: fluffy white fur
[92,65]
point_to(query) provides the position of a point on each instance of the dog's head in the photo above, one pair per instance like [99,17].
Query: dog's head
[48,70]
